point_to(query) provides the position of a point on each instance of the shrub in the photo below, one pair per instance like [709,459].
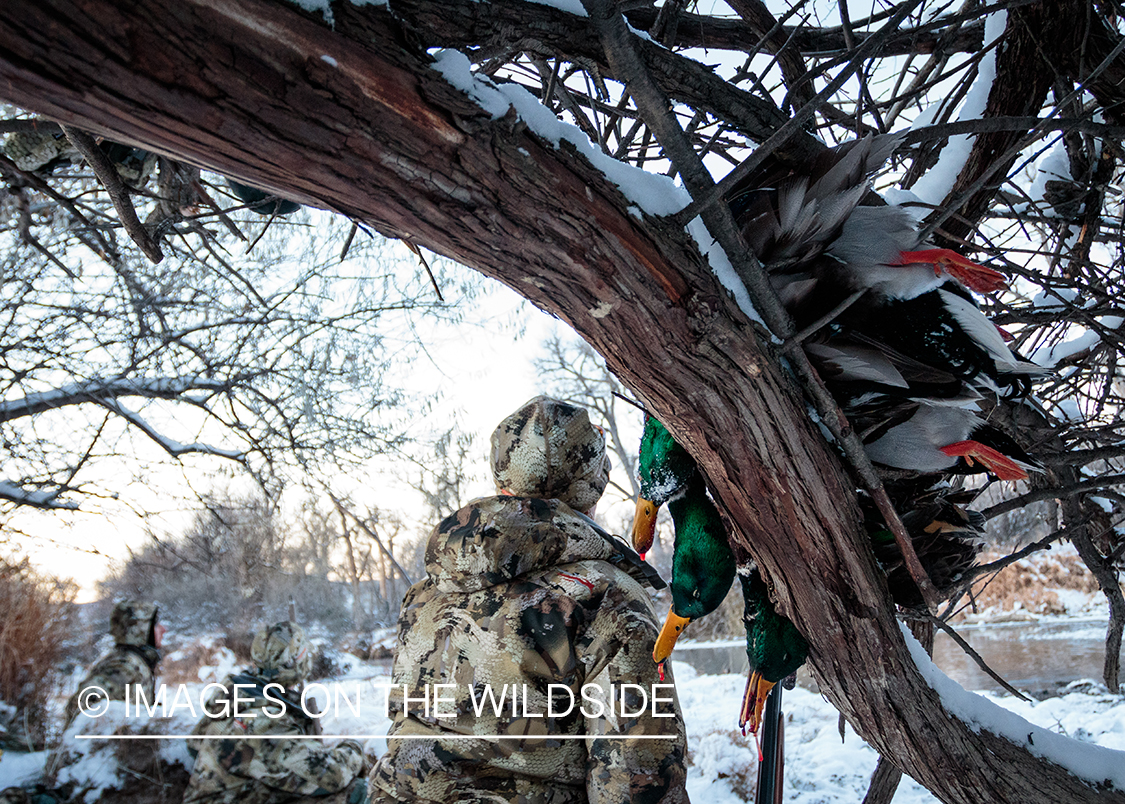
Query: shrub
[33,635]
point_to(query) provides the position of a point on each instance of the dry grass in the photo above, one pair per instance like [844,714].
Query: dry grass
[1029,585]
[34,631]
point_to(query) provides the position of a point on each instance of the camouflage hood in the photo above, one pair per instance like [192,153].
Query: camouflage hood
[132,623]
[550,449]
[494,540]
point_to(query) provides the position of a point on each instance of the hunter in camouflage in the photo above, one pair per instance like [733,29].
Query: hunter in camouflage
[270,771]
[129,665]
[524,591]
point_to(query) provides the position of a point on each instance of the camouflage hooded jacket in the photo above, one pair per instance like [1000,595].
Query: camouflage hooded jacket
[129,665]
[260,771]
[524,594]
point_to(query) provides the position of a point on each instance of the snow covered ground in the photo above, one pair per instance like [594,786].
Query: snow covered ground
[820,768]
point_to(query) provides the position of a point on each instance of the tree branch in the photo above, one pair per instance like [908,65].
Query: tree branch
[100,391]
[383,137]
[1053,493]
[107,175]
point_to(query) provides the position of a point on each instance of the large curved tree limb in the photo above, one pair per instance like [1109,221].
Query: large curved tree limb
[360,123]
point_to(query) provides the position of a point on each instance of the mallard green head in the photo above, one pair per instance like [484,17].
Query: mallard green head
[774,646]
[664,468]
[702,563]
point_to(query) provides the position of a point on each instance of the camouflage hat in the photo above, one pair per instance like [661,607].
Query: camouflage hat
[132,623]
[549,449]
[281,653]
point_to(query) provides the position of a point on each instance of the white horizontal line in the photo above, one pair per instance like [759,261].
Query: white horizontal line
[375,736]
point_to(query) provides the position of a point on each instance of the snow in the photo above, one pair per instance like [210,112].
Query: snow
[720,264]
[82,392]
[11,491]
[569,6]
[651,193]
[933,187]
[1060,298]
[1054,165]
[1103,503]
[226,663]
[331,62]
[820,768]
[1094,763]
[93,765]
[19,768]
[1051,356]
[324,7]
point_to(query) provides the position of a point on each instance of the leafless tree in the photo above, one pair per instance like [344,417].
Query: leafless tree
[357,543]
[283,355]
[241,560]
[574,372]
[234,563]
[459,150]
[445,474]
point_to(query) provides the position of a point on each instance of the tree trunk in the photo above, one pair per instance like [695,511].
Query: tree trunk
[352,118]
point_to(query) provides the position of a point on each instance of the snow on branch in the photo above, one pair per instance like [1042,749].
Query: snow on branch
[169,445]
[46,500]
[100,391]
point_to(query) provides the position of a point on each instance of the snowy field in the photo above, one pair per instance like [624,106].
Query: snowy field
[820,768]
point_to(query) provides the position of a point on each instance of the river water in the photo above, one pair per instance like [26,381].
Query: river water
[1038,657]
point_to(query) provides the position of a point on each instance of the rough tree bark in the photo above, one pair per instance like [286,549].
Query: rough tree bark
[352,118]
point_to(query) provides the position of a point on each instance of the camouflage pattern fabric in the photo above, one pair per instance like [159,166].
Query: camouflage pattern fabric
[282,654]
[131,662]
[527,592]
[32,150]
[15,795]
[268,771]
[549,449]
[23,795]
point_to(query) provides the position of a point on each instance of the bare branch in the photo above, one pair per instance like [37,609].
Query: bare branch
[107,175]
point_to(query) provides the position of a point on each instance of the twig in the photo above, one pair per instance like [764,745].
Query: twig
[344,510]
[219,213]
[266,228]
[655,108]
[10,169]
[629,401]
[795,123]
[1036,495]
[348,241]
[23,226]
[989,125]
[1002,159]
[976,657]
[107,175]
[965,583]
[793,341]
[27,125]
[433,280]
